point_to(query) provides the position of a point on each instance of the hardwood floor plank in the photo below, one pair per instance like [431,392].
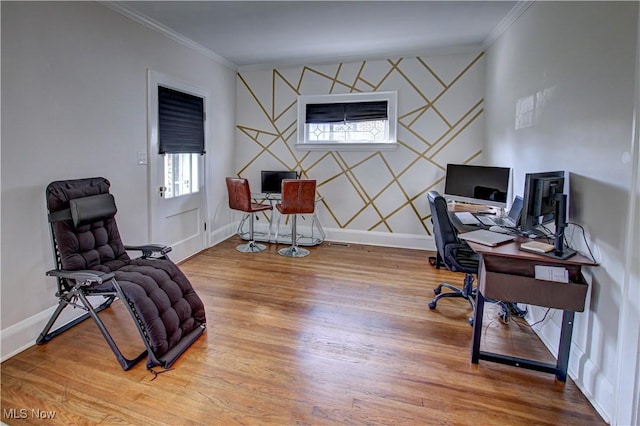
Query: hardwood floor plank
[343,336]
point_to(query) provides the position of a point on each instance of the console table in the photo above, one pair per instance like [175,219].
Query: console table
[506,273]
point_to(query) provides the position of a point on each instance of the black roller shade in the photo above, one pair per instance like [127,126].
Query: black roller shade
[346,112]
[181,122]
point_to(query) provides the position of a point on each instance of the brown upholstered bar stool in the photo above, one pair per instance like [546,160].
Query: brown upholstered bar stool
[240,199]
[298,196]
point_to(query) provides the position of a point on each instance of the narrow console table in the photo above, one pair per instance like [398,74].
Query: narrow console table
[506,273]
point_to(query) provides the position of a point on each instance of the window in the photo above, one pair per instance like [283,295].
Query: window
[347,122]
[180,174]
[180,140]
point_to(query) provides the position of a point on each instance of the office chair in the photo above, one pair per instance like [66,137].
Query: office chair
[298,197]
[452,253]
[240,199]
[91,260]
[457,256]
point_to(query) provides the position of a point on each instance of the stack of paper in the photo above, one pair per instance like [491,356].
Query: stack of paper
[551,273]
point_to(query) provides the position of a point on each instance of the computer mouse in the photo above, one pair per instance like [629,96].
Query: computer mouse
[498,229]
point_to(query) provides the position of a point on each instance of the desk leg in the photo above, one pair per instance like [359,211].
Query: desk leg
[477,328]
[565,345]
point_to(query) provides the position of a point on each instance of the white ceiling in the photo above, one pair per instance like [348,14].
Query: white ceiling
[275,33]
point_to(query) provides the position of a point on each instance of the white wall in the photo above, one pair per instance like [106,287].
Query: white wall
[577,60]
[74,103]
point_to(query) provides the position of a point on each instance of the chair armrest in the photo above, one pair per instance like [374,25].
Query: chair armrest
[462,257]
[450,250]
[149,249]
[84,277]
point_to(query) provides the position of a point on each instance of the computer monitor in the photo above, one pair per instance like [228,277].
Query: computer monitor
[271,181]
[545,201]
[539,206]
[484,185]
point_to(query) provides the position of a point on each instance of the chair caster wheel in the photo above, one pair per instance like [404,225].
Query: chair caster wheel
[432,305]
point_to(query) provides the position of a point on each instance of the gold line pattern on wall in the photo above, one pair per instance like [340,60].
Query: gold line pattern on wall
[440,110]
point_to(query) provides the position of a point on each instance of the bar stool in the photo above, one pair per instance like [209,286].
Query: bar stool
[240,199]
[298,196]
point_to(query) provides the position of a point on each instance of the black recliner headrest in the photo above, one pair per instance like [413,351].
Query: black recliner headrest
[90,209]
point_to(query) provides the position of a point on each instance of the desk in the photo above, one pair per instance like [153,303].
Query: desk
[506,273]
[314,237]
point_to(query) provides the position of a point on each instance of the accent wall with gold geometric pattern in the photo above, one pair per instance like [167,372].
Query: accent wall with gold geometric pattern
[365,194]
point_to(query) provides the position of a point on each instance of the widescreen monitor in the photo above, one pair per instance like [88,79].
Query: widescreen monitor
[271,181]
[485,185]
[542,193]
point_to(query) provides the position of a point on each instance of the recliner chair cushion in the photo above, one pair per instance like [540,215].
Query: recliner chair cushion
[162,297]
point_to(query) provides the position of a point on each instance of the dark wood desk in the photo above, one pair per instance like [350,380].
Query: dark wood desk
[506,273]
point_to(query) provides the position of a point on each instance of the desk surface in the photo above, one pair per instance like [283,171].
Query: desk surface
[512,250]
[509,249]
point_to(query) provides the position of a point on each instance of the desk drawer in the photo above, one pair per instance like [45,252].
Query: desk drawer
[516,288]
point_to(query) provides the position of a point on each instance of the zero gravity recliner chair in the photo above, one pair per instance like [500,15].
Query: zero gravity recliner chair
[91,260]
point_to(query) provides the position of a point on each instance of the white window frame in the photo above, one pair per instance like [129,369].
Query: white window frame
[390,144]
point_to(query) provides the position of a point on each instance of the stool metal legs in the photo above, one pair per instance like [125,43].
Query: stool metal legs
[294,250]
[251,246]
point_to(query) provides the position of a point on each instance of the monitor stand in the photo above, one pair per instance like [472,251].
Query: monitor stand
[562,255]
[559,250]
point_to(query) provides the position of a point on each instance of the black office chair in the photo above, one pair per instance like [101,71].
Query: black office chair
[452,253]
[457,256]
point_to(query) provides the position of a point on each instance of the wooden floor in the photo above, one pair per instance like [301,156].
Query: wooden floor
[343,336]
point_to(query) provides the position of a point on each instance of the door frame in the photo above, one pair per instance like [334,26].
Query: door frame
[154,79]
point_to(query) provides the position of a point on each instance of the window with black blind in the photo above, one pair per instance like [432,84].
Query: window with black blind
[346,112]
[346,122]
[180,122]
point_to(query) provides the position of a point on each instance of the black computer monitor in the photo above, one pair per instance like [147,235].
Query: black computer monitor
[271,181]
[545,201]
[541,193]
[484,185]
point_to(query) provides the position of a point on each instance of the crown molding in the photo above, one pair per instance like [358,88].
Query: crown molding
[506,22]
[331,60]
[142,19]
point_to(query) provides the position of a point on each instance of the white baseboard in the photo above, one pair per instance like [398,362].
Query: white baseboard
[219,235]
[595,386]
[23,335]
[386,239]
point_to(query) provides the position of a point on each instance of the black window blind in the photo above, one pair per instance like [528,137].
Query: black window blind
[346,112]
[180,122]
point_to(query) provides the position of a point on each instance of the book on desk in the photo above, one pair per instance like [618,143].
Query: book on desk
[536,247]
